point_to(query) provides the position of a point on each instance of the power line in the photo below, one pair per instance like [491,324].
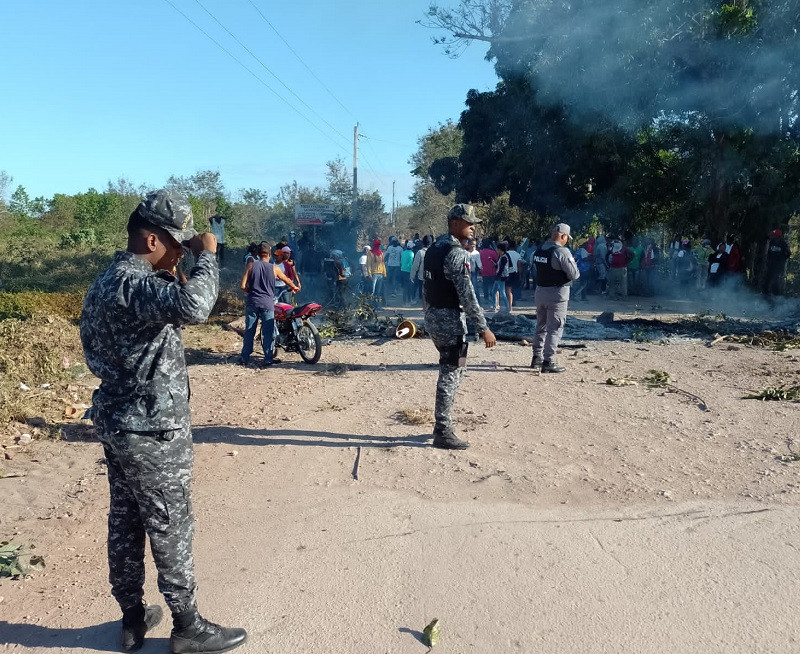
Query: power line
[382,165]
[300,59]
[265,67]
[258,79]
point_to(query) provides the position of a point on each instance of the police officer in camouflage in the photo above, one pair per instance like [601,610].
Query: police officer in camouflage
[131,335]
[555,271]
[449,302]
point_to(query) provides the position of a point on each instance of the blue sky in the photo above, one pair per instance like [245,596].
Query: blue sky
[98,89]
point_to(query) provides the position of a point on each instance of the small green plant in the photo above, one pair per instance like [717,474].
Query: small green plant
[657,379]
[626,380]
[640,335]
[17,560]
[777,394]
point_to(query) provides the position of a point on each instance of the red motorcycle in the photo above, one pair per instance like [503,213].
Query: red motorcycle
[295,332]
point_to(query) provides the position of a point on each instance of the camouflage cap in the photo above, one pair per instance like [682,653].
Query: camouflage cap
[465,212]
[170,211]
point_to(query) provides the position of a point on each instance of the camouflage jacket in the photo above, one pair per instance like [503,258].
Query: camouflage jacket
[131,335]
[452,322]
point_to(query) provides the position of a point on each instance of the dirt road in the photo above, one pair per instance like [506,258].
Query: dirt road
[584,518]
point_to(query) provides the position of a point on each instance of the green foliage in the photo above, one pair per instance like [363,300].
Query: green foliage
[18,561]
[78,237]
[36,304]
[733,20]
[657,379]
[502,219]
[776,393]
[435,165]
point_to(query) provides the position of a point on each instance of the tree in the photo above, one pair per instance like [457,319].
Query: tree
[20,202]
[471,20]
[435,165]
[205,192]
[5,182]
[340,187]
[124,186]
[639,110]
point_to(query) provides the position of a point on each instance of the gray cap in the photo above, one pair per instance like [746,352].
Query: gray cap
[170,211]
[562,228]
[465,212]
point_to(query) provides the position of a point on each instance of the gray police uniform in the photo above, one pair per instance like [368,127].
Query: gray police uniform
[449,301]
[555,272]
[131,335]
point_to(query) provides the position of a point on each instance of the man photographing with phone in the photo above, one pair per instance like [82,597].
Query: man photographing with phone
[131,336]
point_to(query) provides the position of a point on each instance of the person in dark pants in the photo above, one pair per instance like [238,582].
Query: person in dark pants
[775,265]
[555,272]
[258,282]
[131,335]
[450,300]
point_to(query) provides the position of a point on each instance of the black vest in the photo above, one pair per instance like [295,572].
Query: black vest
[546,275]
[440,292]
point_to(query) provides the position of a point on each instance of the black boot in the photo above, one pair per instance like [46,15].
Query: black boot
[536,362]
[552,366]
[445,439]
[194,634]
[136,622]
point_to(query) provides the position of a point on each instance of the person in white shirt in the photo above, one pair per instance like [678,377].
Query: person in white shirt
[393,260]
[217,224]
[474,261]
[512,284]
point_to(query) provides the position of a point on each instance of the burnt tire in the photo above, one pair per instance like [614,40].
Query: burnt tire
[309,342]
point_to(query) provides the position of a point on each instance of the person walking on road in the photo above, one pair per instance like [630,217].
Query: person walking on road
[555,272]
[131,336]
[449,302]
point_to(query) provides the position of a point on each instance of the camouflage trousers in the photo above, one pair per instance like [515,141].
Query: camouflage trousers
[149,476]
[452,362]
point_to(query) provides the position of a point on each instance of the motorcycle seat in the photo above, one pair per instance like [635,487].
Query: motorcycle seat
[301,310]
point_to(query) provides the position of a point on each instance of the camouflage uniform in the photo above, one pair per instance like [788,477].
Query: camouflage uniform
[447,328]
[131,335]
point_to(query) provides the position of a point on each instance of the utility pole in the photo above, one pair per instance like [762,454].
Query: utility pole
[393,217]
[354,206]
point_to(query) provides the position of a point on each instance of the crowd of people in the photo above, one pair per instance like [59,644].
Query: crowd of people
[503,271]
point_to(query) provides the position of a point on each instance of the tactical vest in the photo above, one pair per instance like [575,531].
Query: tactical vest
[546,275]
[440,292]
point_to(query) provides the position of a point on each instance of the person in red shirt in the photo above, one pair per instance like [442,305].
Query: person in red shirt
[618,258]
[488,271]
[734,261]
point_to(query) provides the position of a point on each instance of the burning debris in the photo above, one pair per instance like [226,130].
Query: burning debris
[780,339]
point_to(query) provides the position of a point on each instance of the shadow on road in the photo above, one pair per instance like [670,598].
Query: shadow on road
[413,632]
[103,637]
[304,437]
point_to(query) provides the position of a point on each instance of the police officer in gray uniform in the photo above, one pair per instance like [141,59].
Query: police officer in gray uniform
[449,301]
[131,335]
[555,272]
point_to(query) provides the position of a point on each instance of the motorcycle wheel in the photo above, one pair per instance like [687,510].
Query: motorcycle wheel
[309,342]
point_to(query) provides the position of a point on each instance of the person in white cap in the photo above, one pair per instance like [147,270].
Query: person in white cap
[555,272]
